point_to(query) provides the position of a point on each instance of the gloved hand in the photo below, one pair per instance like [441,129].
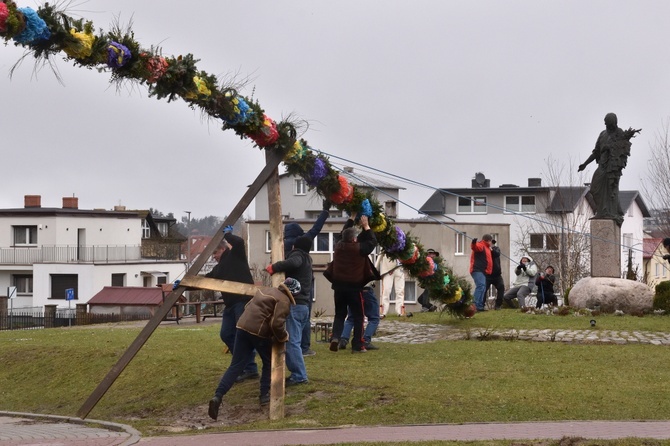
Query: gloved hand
[474,240]
[228,229]
[666,257]
[176,283]
[269,269]
[326,205]
[523,267]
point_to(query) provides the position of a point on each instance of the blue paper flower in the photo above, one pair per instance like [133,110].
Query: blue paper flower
[399,244]
[318,174]
[241,112]
[36,28]
[366,208]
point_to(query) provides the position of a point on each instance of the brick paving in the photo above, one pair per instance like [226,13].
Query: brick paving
[43,430]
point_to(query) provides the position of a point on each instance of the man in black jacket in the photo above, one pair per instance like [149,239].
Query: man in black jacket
[298,265]
[352,270]
[234,266]
[495,278]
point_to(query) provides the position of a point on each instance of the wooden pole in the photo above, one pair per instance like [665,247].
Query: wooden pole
[277,254]
[272,162]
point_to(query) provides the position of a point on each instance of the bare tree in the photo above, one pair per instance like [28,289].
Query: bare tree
[561,236]
[656,186]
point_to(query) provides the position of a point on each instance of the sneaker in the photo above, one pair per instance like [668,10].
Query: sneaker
[309,353]
[264,399]
[432,308]
[369,346]
[343,344]
[214,405]
[361,350]
[334,344]
[425,310]
[290,382]
[247,375]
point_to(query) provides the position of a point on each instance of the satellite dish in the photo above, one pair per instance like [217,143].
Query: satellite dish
[480,178]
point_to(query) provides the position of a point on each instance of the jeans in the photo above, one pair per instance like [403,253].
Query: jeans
[295,321]
[480,288]
[371,311]
[349,300]
[306,341]
[228,332]
[245,344]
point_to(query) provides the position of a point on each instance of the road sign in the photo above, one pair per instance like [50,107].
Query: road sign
[11,292]
[69,294]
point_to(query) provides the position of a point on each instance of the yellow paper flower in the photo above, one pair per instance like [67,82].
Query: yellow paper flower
[201,85]
[84,46]
[382,224]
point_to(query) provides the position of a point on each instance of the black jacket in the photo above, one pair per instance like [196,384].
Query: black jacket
[233,266]
[298,265]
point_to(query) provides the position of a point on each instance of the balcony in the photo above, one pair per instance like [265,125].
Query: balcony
[98,254]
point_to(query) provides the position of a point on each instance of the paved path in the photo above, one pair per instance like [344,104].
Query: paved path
[43,430]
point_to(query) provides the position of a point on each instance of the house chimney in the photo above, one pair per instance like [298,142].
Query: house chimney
[70,203]
[119,208]
[32,201]
[534,182]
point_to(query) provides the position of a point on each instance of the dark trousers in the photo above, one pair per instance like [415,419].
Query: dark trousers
[243,352]
[349,300]
[548,298]
[499,284]
[229,332]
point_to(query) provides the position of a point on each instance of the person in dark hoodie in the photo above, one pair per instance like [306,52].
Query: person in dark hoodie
[495,278]
[291,232]
[234,266]
[298,264]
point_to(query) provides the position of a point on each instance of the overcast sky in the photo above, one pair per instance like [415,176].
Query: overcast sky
[434,91]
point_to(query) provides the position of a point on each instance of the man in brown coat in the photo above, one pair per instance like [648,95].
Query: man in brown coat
[262,323]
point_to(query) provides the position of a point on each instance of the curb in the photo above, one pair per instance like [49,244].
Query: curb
[134,434]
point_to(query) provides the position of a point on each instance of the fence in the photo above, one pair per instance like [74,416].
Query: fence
[30,320]
[88,254]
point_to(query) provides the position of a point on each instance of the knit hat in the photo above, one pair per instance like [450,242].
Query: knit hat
[293,285]
[303,243]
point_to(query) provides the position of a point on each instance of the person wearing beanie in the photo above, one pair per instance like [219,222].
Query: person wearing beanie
[298,265]
[291,233]
[666,245]
[233,265]
[524,283]
[262,323]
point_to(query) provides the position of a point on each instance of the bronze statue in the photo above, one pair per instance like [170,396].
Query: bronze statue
[611,154]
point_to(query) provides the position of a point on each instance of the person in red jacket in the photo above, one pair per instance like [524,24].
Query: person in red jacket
[481,265]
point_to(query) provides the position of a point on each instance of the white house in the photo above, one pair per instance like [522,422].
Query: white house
[46,250]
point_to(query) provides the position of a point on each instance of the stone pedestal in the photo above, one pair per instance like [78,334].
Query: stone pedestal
[605,249]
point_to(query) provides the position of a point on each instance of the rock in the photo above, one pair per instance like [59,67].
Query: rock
[611,294]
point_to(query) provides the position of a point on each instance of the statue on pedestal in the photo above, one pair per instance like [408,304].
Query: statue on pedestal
[611,154]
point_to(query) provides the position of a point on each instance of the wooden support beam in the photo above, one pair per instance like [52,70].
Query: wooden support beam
[272,162]
[225,286]
[277,253]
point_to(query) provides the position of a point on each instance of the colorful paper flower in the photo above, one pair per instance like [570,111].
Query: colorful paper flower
[267,134]
[117,55]
[366,208]
[83,47]
[400,240]
[411,258]
[345,194]
[36,28]
[157,67]
[241,111]
[381,223]
[447,279]
[430,269]
[318,173]
[4,13]
[296,153]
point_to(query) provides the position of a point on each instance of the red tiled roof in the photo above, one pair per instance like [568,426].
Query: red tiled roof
[130,295]
[649,246]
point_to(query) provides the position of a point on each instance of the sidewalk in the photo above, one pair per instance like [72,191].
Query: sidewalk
[43,430]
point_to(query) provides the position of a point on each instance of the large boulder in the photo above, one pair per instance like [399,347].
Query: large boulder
[610,294]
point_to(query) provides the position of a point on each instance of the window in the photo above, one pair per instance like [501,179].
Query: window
[410,292]
[544,242]
[23,283]
[300,187]
[61,282]
[146,230]
[471,205]
[390,209]
[322,242]
[520,203]
[118,279]
[163,228]
[460,243]
[25,235]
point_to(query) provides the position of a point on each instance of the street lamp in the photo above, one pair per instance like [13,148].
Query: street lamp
[188,236]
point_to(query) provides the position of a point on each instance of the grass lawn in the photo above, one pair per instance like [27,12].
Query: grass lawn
[166,387]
